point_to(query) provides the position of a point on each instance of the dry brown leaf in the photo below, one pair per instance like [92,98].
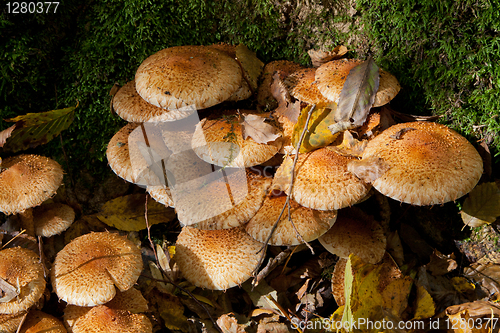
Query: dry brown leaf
[5,134]
[7,291]
[286,108]
[482,206]
[318,57]
[368,169]
[255,127]
[441,264]
[228,324]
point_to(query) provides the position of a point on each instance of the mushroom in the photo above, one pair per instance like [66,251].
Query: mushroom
[358,233]
[122,314]
[331,76]
[429,163]
[52,218]
[25,182]
[22,279]
[322,181]
[188,75]
[38,321]
[220,142]
[133,108]
[9,323]
[301,85]
[89,269]
[310,224]
[216,259]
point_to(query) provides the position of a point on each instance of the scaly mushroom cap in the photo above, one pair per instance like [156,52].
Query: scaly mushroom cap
[322,181]
[331,76]
[9,323]
[86,271]
[221,142]
[429,163]
[133,108]
[161,194]
[38,321]
[358,233]
[301,85]
[125,303]
[240,213]
[26,181]
[52,219]
[310,223]
[21,268]
[184,75]
[216,259]
[118,155]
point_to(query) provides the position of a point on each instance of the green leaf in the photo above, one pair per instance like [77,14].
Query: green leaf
[34,129]
[357,96]
[318,135]
[482,206]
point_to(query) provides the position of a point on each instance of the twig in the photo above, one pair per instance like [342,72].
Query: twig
[287,202]
[271,265]
[148,227]
[67,162]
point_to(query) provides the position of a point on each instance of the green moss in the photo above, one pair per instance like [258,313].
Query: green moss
[445,54]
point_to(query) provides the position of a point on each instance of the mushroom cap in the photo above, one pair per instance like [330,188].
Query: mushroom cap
[240,213]
[331,76]
[130,106]
[322,181]
[9,323]
[127,303]
[301,85]
[21,267]
[216,259]
[161,194]
[310,223]
[103,318]
[26,181]
[52,219]
[38,321]
[125,157]
[86,271]
[118,155]
[429,164]
[355,232]
[184,75]
[221,142]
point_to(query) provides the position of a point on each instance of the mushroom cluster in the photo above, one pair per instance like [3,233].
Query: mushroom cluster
[210,165]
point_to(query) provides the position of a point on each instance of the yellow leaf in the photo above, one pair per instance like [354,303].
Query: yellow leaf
[170,310]
[482,206]
[127,213]
[395,295]
[461,284]
[163,260]
[425,304]
[317,134]
[252,66]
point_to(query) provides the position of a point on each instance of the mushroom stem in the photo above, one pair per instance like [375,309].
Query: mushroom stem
[26,219]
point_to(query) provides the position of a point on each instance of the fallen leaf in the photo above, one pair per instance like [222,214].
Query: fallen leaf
[127,213]
[228,324]
[349,146]
[368,169]
[255,127]
[34,129]
[7,291]
[283,176]
[319,57]
[441,264]
[482,206]
[462,285]
[357,96]
[317,134]
[252,66]
[5,134]
[286,108]
[170,309]
[425,307]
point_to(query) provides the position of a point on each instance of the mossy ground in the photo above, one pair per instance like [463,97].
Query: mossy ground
[445,54]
